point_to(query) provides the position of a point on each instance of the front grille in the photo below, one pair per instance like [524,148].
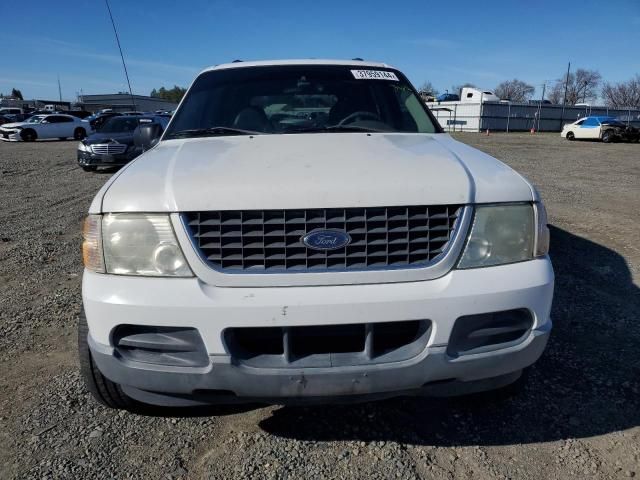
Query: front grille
[270,241]
[108,148]
[327,345]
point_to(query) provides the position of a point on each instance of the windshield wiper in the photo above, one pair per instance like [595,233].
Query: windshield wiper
[334,128]
[211,131]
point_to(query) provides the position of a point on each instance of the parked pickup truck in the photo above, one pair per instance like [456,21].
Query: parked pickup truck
[304,231]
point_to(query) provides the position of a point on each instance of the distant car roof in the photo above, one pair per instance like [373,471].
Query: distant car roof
[310,61]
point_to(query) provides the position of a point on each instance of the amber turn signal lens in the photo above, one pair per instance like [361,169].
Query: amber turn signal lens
[92,256]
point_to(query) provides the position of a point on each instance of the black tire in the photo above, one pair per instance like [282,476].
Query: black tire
[570,136]
[79,133]
[28,135]
[105,391]
[89,168]
[608,136]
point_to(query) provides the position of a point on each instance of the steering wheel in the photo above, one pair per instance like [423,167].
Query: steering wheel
[351,117]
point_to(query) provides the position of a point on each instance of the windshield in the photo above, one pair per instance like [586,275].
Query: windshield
[301,98]
[120,125]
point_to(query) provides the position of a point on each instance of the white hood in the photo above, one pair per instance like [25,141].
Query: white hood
[321,170]
[13,125]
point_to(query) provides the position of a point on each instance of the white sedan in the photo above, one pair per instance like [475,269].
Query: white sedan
[592,128]
[45,126]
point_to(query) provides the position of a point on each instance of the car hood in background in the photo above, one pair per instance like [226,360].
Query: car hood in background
[15,124]
[121,137]
[322,170]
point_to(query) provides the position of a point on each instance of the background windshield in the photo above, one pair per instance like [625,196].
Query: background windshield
[284,99]
[120,125]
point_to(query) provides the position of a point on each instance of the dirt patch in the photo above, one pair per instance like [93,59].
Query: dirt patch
[578,418]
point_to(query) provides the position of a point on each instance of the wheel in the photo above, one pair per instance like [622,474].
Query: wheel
[105,391]
[608,136]
[79,133]
[89,168]
[570,136]
[28,135]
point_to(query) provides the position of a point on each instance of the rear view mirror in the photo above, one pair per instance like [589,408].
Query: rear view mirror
[147,135]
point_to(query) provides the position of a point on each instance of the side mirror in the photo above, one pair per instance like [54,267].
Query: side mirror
[147,135]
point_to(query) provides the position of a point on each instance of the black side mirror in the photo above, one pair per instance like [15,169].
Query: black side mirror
[146,135]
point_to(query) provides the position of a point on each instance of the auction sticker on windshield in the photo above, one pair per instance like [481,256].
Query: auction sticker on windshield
[374,75]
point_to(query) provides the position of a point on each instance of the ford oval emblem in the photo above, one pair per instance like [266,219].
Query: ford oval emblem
[326,239]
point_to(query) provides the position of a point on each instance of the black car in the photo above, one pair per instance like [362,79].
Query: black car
[112,145]
[613,130]
[98,120]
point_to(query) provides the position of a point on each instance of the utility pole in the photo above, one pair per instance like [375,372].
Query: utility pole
[564,100]
[544,87]
[59,89]
[126,74]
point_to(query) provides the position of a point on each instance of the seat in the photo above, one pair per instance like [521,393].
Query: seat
[252,118]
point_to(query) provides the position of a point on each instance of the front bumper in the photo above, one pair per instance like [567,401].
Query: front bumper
[110,301]
[10,135]
[90,159]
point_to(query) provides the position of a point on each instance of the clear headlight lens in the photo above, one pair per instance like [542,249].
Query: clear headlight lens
[142,244]
[500,234]
[82,147]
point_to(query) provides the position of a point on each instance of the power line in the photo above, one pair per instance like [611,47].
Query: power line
[124,65]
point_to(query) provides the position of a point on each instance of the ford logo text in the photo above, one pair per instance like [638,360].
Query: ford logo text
[326,239]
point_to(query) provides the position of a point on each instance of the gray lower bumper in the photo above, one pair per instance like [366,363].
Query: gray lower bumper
[224,382]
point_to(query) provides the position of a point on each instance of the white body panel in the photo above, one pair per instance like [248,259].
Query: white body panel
[310,171]
[110,300]
[476,95]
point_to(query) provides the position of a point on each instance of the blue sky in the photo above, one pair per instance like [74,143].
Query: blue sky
[168,42]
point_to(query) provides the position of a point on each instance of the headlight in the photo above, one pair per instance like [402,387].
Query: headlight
[83,148]
[140,244]
[505,234]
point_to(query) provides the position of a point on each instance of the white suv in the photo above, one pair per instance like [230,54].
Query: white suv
[304,231]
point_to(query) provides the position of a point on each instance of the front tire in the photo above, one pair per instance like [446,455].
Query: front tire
[608,136]
[28,135]
[570,136]
[79,133]
[102,389]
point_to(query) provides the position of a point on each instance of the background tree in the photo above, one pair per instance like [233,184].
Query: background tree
[428,88]
[16,94]
[582,86]
[174,94]
[623,94]
[514,90]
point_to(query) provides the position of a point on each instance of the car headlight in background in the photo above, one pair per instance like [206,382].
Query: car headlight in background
[135,244]
[503,234]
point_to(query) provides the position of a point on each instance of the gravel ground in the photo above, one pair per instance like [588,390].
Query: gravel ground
[579,416]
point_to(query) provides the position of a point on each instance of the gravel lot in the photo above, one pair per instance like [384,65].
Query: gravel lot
[578,418]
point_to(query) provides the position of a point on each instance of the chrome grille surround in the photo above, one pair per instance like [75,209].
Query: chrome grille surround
[108,148]
[270,241]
